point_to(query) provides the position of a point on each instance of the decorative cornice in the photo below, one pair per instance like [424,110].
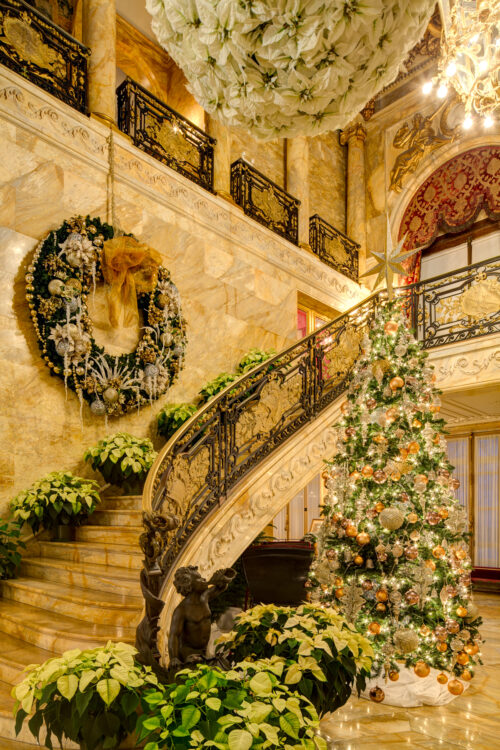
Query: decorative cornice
[353,133]
[32,109]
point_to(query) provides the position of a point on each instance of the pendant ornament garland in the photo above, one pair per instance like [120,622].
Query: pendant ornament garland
[292,67]
[67,265]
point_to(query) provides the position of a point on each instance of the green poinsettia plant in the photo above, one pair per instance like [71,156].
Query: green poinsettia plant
[57,499]
[215,386]
[123,460]
[10,546]
[173,416]
[253,358]
[246,707]
[89,697]
[322,655]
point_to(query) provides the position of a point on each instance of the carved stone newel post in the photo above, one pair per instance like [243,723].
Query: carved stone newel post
[297,181]
[99,34]
[354,136]
[222,156]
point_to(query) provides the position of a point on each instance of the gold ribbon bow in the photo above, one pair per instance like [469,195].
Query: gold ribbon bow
[130,268]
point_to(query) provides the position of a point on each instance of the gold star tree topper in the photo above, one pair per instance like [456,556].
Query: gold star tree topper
[389,262]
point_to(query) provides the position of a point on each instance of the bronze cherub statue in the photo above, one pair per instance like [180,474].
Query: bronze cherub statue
[191,622]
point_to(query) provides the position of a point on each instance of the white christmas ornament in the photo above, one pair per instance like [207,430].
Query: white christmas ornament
[288,67]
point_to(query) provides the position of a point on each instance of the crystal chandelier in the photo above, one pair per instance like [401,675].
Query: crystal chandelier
[470,59]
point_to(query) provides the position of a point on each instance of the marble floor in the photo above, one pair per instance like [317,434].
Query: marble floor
[471,721]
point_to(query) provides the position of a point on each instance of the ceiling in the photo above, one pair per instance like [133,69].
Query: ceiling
[134,11]
[474,405]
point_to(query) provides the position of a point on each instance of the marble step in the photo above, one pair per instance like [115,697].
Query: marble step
[86,575]
[89,605]
[117,517]
[55,631]
[121,502]
[109,534]
[15,655]
[97,553]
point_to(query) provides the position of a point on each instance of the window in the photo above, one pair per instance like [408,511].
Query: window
[295,520]
[312,314]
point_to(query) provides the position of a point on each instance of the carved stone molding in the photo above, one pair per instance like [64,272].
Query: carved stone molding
[30,108]
[469,363]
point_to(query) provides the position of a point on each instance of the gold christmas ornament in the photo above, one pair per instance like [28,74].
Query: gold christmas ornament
[466,675]
[381,607]
[421,669]
[391,518]
[391,327]
[424,630]
[380,439]
[471,648]
[421,479]
[461,611]
[367,585]
[374,628]
[379,476]
[395,476]
[391,414]
[411,553]
[406,640]
[441,633]
[443,512]
[403,452]
[354,475]
[442,678]
[393,675]
[412,518]
[371,403]
[430,564]
[441,646]
[462,658]
[351,530]
[345,407]
[363,538]
[412,597]
[377,695]
[382,595]
[358,560]
[379,507]
[396,382]
[339,593]
[455,687]
[452,626]
[417,424]
[413,447]
[439,552]
[367,471]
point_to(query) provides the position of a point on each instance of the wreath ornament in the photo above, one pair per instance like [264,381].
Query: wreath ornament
[67,265]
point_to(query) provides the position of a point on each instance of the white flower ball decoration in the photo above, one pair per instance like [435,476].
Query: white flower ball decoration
[288,67]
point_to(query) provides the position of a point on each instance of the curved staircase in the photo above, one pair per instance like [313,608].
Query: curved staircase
[70,595]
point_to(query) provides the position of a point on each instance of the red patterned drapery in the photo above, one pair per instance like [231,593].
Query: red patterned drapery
[451,199]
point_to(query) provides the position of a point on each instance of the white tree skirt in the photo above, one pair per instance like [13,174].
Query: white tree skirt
[411,690]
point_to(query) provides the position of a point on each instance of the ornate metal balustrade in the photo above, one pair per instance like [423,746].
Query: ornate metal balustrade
[333,247]
[265,201]
[40,51]
[458,306]
[163,133]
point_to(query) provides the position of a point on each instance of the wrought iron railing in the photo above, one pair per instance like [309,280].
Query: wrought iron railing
[37,49]
[458,306]
[265,201]
[333,247]
[164,134]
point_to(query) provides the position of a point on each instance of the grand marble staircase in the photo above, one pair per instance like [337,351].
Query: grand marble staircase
[70,595]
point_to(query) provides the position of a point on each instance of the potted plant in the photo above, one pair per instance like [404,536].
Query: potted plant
[246,707]
[215,386]
[322,654]
[10,544]
[173,416]
[89,697]
[253,358]
[58,501]
[123,460]
[276,572]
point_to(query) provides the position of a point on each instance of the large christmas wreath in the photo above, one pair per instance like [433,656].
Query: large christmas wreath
[66,267]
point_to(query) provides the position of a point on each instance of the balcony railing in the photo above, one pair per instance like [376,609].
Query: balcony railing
[40,51]
[164,134]
[265,201]
[333,247]
[458,306]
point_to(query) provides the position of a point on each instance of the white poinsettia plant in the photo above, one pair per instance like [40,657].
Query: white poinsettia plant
[288,67]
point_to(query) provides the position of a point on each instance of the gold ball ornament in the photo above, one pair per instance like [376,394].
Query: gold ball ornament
[412,518]
[367,471]
[395,476]
[396,382]
[391,518]
[413,447]
[411,553]
[439,552]
[358,560]
[355,476]
[452,626]
[382,595]
[345,407]
[351,530]
[391,327]
[363,538]
[379,476]
[441,633]
[339,593]
[367,585]
[404,452]
[443,512]
[381,607]
[420,479]
[424,630]
[421,669]
[442,678]
[460,554]
[406,640]
[462,658]
[393,675]
[379,507]
[442,647]
[455,687]
[471,648]
[466,675]
[433,518]
[412,597]
[371,403]
[374,628]
[417,424]
[430,564]
[380,439]
[391,414]
[377,695]
[461,611]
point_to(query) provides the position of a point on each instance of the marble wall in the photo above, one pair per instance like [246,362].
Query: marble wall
[266,156]
[327,179]
[238,281]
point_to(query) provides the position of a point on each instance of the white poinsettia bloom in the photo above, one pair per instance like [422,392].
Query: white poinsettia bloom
[281,68]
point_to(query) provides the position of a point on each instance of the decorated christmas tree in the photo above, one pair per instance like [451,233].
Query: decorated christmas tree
[392,554]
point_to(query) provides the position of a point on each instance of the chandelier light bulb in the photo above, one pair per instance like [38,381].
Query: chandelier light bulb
[488,122]
[467,123]
[427,87]
[483,66]
[442,91]
[451,70]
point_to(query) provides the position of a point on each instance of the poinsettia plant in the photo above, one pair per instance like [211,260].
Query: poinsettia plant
[122,459]
[173,416]
[90,697]
[58,499]
[322,655]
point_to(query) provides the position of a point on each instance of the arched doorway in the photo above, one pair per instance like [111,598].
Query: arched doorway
[451,199]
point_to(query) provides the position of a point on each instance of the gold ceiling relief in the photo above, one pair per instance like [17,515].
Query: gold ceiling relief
[29,45]
[420,138]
